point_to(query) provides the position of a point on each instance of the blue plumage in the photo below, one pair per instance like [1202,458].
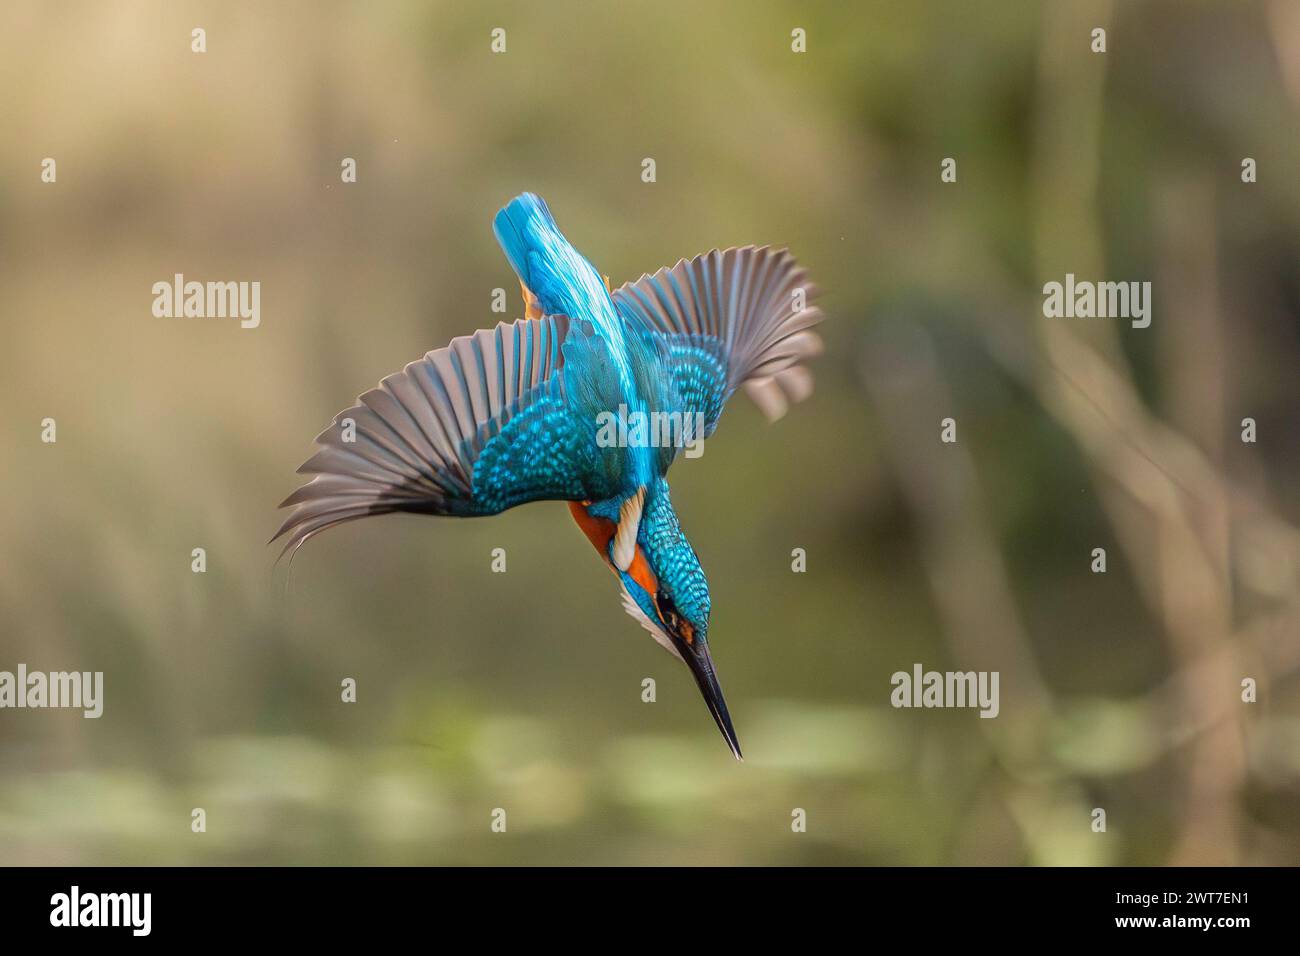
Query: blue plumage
[523,412]
[564,282]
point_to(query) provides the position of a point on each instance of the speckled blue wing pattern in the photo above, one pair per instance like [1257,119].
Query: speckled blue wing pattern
[471,429]
[728,319]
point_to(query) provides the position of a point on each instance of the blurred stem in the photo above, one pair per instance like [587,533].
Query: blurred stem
[1176,538]
[962,557]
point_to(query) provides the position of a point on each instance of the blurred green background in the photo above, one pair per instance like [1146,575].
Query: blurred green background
[523,690]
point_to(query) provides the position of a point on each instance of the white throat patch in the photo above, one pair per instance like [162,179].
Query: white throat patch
[629,522]
[657,632]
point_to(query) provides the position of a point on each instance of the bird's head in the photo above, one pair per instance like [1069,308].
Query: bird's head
[664,587]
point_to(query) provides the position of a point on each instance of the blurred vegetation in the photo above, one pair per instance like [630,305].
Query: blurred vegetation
[522,690]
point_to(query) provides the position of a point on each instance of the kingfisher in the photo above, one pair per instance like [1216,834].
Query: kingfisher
[524,412]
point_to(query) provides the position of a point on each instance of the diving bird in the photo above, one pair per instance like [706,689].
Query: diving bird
[518,413]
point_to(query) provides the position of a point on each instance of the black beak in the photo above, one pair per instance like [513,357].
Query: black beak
[698,660]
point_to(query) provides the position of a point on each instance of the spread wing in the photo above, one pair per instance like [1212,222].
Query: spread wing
[726,319]
[471,429]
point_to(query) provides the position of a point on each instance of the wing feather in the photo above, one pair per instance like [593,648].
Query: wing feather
[471,429]
[735,310]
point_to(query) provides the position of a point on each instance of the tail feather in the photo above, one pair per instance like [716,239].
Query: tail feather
[525,225]
[553,272]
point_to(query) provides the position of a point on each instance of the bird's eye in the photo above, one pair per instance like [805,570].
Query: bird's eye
[667,613]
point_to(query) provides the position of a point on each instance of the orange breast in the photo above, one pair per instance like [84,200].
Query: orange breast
[640,572]
[599,532]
